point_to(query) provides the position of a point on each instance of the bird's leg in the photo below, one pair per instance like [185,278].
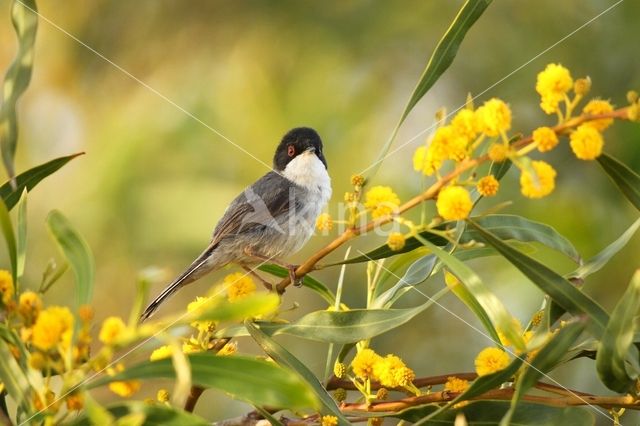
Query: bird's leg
[264,282]
[290,267]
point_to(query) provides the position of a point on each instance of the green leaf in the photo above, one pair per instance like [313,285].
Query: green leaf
[16,80]
[479,386]
[10,239]
[417,272]
[283,357]
[512,227]
[248,307]
[482,302]
[557,287]
[307,281]
[546,359]
[21,243]
[255,381]
[599,260]
[440,60]
[617,339]
[153,414]
[490,412]
[29,179]
[626,179]
[14,379]
[77,252]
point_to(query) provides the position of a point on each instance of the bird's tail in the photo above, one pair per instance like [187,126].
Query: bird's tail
[197,269]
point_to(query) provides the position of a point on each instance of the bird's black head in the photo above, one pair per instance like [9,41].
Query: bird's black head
[296,142]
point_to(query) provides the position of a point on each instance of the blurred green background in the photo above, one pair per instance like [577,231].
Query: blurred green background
[155,178]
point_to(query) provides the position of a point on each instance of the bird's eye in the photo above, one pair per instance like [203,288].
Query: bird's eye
[291,150]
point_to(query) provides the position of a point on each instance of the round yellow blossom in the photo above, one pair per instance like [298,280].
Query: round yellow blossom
[162,395]
[382,394]
[238,286]
[53,326]
[339,370]
[396,241]
[586,142]
[29,305]
[424,161]
[85,312]
[545,138]
[490,360]
[382,201]
[328,420]
[228,349]
[488,186]
[391,372]
[357,180]
[6,286]
[539,185]
[340,394]
[448,144]
[75,401]
[198,306]
[582,86]
[552,85]
[454,203]
[364,363]
[125,389]
[597,107]
[161,353]
[456,385]
[324,222]
[498,152]
[465,123]
[494,117]
[112,329]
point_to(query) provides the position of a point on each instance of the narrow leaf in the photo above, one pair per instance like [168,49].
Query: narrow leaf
[153,414]
[14,379]
[283,357]
[29,179]
[77,252]
[626,179]
[255,381]
[21,243]
[557,287]
[417,272]
[617,339]
[307,281]
[10,239]
[16,81]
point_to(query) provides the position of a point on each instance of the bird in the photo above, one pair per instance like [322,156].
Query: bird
[272,218]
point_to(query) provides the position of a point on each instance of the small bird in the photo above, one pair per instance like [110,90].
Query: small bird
[272,218]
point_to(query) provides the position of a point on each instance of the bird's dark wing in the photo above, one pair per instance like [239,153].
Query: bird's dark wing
[269,197]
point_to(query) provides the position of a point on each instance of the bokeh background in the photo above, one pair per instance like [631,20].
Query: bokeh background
[156,176]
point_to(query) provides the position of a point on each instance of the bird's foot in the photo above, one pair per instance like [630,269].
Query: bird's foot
[264,282]
[297,282]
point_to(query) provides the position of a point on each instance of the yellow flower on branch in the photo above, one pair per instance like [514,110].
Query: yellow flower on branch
[328,421]
[448,144]
[161,353]
[456,385]
[395,241]
[197,307]
[488,186]
[545,138]
[494,117]
[112,329]
[498,152]
[29,306]
[597,107]
[54,326]
[586,142]
[392,372]
[239,285]
[424,161]
[465,123]
[381,201]
[454,203]
[540,183]
[6,286]
[364,362]
[552,85]
[324,222]
[490,360]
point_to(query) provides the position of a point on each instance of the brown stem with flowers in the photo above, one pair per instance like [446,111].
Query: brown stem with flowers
[432,192]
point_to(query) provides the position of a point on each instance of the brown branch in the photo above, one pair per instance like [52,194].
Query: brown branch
[431,193]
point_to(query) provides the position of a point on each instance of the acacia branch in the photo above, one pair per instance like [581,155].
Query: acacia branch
[432,192]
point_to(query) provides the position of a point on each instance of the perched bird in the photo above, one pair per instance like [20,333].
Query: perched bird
[272,218]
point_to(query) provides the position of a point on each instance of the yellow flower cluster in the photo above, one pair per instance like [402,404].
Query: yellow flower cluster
[454,384]
[112,329]
[545,139]
[53,327]
[197,307]
[586,142]
[538,181]
[123,388]
[454,203]
[381,201]
[488,186]
[396,241]
[6,287]
[490,360]
[552,86]
[390,371]
[494,117]
[239,285]
[328,421]
[324,222]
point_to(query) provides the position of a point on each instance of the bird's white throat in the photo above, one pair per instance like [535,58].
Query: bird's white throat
[307,171]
